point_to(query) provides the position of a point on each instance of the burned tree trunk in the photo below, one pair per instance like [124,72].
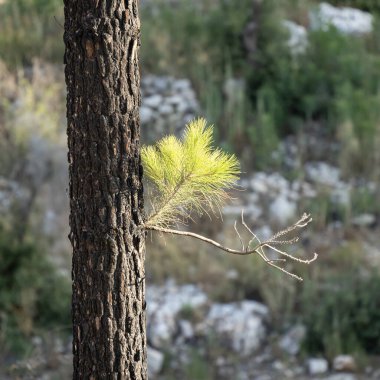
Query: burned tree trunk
[102,41]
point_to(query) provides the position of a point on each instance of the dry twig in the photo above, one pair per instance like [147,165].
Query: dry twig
[260,246]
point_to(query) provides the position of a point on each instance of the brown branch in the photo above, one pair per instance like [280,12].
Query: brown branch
[200,237]
[258,249]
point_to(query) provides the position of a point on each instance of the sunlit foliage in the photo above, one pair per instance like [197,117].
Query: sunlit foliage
[188,175]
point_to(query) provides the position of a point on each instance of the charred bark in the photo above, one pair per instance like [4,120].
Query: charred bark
[102,40]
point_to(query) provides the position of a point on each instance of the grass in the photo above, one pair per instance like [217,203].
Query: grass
[31,29]
[335,86]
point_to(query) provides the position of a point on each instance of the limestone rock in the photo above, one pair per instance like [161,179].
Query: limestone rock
[155,361]
[322,173]
[291,342]
[297,41]
[364,220]
[282,210]
[241,324]
[344,363]
[317,366]
[342,376]
[163,306]
[346,20]
[153,101]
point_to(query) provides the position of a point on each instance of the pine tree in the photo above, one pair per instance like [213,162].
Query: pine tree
[102,40]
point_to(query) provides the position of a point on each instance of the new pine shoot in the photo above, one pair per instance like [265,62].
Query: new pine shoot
[187,175]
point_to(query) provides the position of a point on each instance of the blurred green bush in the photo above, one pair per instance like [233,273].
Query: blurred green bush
[334,83]
[343,315]
[254,103]
[34,297]
[366,5]
[31,29]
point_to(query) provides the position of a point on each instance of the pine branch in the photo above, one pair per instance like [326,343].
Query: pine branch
[191,175]
[258,249]
[188,175]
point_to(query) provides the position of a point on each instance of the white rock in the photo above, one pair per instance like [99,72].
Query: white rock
[282,210]
[317,366]
[186,329]
[155,361]
[153,101]
[341,194]
[174,99]
[163,305]
[182,85]
[161,84]
[165,109]
[146,114]
[278,366]
[344,363]
[181,106]
[167,106]
[364,220]
[292,340]
[322,173]
[297,37]
[242,324]
[258,183]
[342,376]
[346,20]
[304,189]
[277,182]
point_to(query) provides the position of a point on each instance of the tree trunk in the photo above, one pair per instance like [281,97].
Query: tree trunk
[102,39]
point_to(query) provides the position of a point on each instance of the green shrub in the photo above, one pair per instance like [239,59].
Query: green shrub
[263,134]
[197,368]
[366,5]
[184,38]
[30,29]
[335,82]
[343,315]
[364,201]
[32,295]
[204,43]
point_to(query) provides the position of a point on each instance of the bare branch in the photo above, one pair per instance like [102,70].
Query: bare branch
[303,222]
[241,240]
[291,256]
[200,237]
[285,271]
[259,248]
[282,242]
[249,230]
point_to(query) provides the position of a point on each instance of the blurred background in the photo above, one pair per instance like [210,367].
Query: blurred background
[293,88]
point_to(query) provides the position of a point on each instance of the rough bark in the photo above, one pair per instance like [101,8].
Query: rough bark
[102,39]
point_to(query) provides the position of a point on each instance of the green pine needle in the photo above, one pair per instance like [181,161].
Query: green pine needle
[188,175]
